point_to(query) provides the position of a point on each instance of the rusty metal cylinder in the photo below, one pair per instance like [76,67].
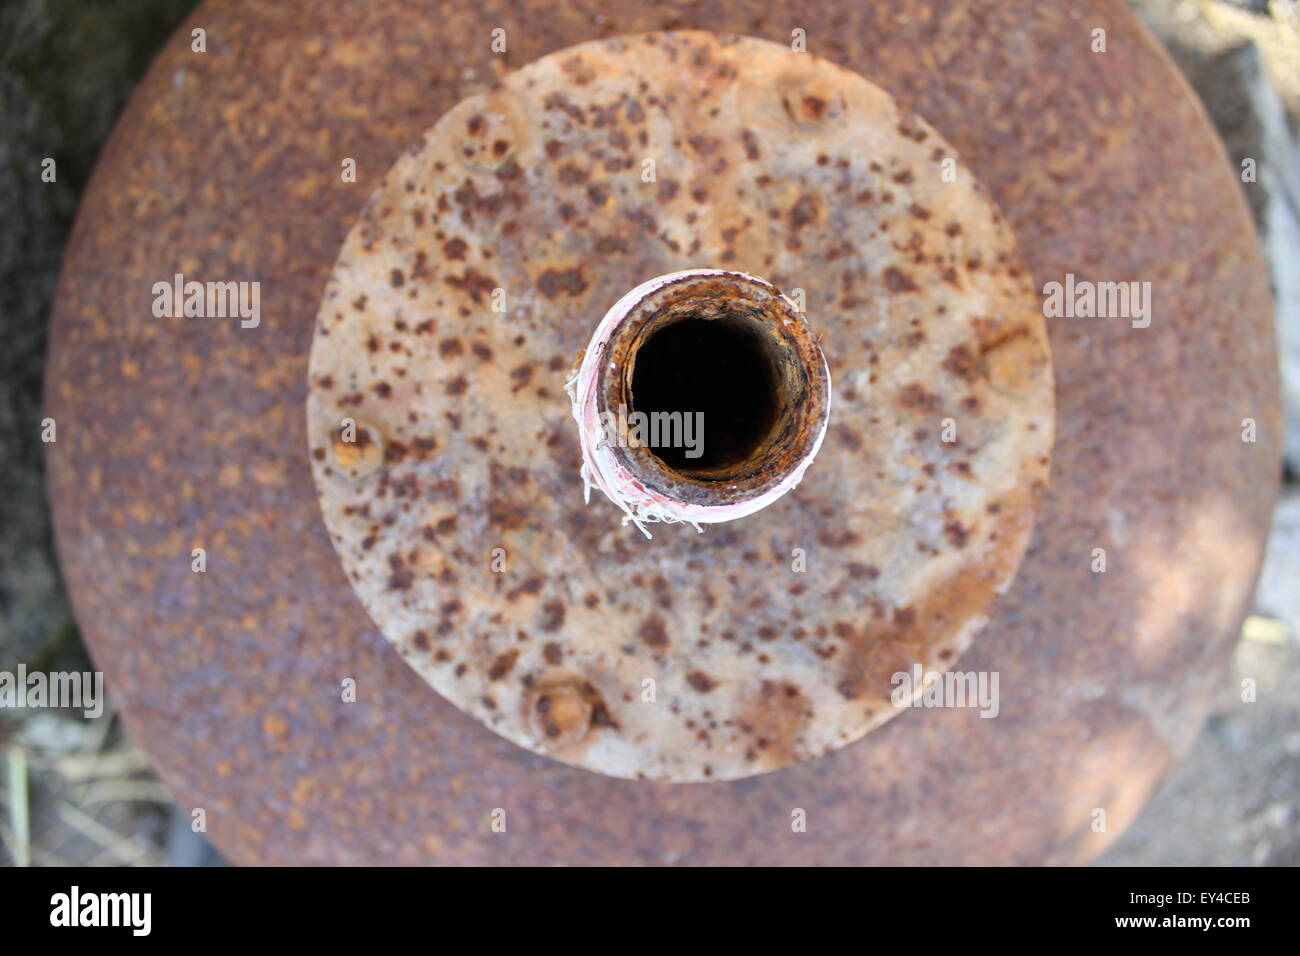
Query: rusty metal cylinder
[414,624]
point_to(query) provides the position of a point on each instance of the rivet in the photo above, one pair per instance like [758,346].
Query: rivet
[560,714]
[358,449]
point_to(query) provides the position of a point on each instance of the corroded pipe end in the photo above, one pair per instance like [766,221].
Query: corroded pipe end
[702,397]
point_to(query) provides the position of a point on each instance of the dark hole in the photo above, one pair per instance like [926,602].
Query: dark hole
[719,367]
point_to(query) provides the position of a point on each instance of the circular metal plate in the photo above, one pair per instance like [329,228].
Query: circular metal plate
[476,273]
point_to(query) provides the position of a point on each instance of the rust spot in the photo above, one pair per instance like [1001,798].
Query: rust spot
[898,281]
[860,570]
[521,376]
[531,585]
[963,363]
[401,577]
[503,664]
[701,681]
[552,615]
[653,633]
[552,282]
[571,175]
[473,282]
[803,212]
[916,396]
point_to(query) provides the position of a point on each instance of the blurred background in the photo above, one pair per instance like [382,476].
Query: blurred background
[77,792]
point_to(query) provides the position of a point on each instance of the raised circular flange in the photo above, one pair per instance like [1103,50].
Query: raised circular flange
[476,273]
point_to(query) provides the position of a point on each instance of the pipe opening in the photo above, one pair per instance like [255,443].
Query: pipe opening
[720,371]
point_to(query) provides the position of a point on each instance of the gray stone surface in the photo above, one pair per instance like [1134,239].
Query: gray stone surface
[1234,799]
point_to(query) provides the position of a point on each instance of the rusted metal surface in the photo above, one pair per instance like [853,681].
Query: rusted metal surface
[924,311]
[175,434]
